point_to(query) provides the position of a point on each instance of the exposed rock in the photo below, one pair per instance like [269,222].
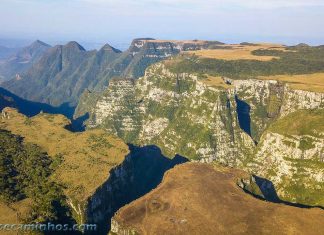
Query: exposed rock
[182,114]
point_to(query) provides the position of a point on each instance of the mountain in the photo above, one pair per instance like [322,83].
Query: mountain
[6,52]
[208,117]
[22,60]
[201,199]
[64,72]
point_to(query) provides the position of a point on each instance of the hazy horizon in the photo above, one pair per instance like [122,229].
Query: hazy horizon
[96,22]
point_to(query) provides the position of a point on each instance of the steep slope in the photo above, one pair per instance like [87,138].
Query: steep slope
[147,51]
[29,108]
[291,155]
[99,166]
[6,101]
[82,169]
[57,69]
[176,112]
[211,119]
[198,199]
[64,72]
[22,60]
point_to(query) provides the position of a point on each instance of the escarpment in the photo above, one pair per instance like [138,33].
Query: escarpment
[100,173]
[140,172]
[228,121]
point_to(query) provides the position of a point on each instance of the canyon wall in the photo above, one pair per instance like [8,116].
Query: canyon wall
[183,114]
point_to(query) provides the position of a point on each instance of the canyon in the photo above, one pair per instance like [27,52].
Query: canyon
[163,121]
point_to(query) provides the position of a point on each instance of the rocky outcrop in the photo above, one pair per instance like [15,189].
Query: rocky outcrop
[294,160]
[175,111]
[182,114]
[148,111]
[297,99]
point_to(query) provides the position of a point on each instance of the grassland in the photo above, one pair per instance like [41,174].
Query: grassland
[200,199]
[84,159]
[308,82]
[297,60]
[302,122]
[237,52]
[215,81]
[12,213]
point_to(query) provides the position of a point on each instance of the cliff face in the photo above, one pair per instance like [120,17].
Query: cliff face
[259,104]
[177,112]
[297,99]
[141,171]
[290,154]
[182,114]
[100,173]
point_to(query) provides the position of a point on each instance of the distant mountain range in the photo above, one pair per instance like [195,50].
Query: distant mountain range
[63,72]
[20,60]
[6,52]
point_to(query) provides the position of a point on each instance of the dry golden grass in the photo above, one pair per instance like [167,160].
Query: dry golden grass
[216,82]
[87,157]
[13,213]
[237,52]
[197,199]
[308,82]
[8,215]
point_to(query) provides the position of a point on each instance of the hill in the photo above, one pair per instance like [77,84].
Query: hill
[199,199]
[22,60]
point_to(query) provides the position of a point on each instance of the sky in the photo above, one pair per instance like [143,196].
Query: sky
[119,21]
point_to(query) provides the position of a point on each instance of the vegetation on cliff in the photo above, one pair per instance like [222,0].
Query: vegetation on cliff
[25,173]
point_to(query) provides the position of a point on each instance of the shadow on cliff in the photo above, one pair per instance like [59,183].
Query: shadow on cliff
[269,193]
[78,124]
[30,108]
[243,113]
[141,171]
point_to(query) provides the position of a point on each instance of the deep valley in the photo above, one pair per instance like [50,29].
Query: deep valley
[167,137]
